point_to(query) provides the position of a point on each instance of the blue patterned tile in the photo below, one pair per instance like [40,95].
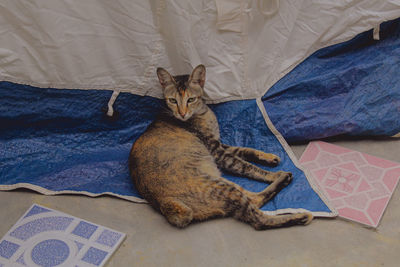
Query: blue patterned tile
[51,252]
[32,228]
[21,260]
[79,245]
[94,256]
[84,229]
[7,249]
[108,238]
[47,240]
[36,210]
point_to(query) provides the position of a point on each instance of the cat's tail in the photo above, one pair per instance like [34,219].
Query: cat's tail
[252,215]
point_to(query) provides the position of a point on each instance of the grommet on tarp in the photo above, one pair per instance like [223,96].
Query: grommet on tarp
[268,8]
[376,32]
[109,110]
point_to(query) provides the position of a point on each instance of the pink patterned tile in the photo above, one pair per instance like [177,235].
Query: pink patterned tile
[320,174]
[325,159]
[364,186]
[359,201]
[378,162]
[375,208]
[354,157]
[354,215]
[371,173]
[333,194]
[312,154]
[333,149]
[349,166]
[338,203]
[391,178]
[378,191]
[358,185]
[342,180]
[311,165]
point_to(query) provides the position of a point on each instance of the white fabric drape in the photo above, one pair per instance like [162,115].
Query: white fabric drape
[117,45]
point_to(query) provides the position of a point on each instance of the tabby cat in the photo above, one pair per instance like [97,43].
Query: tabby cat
[175,163]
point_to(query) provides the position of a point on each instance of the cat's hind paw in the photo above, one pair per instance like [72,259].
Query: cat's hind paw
[176,212]
[284,179]
[304,218]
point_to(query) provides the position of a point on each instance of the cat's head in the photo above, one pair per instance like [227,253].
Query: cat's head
[183,94]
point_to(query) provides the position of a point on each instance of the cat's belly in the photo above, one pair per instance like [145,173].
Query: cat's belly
[169,162]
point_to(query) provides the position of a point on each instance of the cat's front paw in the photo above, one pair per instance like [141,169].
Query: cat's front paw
[268,159]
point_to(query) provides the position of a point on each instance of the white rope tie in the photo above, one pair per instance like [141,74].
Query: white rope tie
[114,96]
[376,32]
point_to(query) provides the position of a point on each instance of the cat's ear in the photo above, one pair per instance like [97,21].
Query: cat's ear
[164,77]
[198,76]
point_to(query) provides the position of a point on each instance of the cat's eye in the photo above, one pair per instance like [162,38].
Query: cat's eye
[172,100]
[191,100]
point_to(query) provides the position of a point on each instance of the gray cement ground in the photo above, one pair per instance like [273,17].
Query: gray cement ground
[151,241]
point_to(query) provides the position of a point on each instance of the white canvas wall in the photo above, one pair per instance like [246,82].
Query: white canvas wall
[117,45]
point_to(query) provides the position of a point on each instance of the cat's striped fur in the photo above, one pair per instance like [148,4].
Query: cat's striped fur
[175,163]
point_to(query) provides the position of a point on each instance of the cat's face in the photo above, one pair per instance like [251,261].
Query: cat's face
[183,94]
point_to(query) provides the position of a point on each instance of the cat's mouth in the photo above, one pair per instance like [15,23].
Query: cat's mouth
[183,118]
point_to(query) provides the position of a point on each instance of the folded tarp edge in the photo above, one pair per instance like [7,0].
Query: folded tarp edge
[293,157]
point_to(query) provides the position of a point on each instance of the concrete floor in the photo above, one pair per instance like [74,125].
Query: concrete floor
[151,241]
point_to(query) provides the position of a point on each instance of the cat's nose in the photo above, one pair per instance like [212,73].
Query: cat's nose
[182,113]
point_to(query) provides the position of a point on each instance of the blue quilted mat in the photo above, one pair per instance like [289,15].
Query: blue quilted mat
[56,141]
[352,88]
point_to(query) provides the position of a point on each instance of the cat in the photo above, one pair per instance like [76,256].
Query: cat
[175,163]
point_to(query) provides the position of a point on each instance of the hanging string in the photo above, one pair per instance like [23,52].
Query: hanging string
[114,96]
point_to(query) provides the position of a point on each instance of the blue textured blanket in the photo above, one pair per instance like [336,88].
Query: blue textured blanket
[58,141]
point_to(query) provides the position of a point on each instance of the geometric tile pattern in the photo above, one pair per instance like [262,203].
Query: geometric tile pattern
[46,237]
[358,185]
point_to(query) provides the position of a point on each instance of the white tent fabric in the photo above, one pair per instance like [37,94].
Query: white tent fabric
[117,45]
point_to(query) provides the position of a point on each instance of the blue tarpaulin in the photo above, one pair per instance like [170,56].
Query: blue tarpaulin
[352,88]
[58,141]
